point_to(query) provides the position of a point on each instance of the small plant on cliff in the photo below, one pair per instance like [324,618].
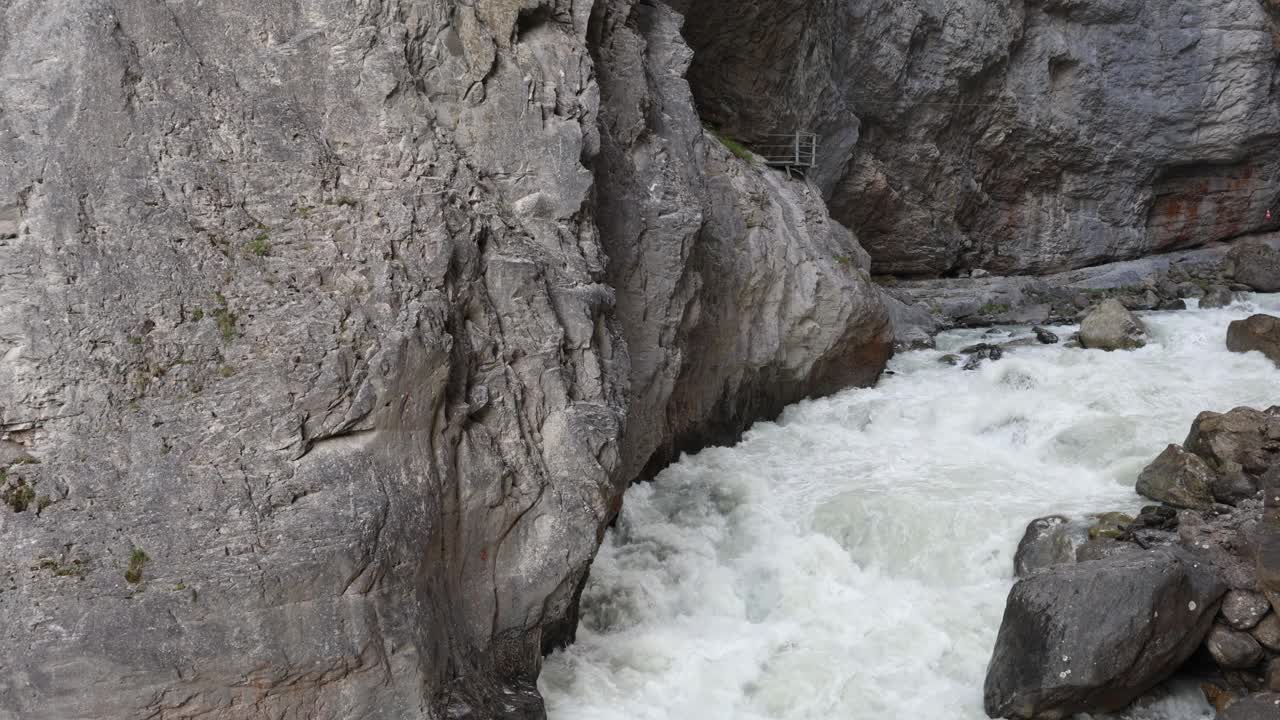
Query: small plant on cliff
[738,149]
[137,560]
[226,319]
[993,308]
[18,496]
[260,245]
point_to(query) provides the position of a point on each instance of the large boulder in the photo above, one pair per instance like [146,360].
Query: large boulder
[1217,297]
[1095,636]
[1178,478]
[1257,265]
[1258,332]
[1110,326]
[1242,440]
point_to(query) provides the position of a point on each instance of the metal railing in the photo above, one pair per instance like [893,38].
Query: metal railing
[793,151]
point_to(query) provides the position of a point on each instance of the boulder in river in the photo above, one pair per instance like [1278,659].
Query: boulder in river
[1110,326]
[1095,636]
[1178,478]
[1257,265]
[1243,437]
[1258,332]
[1217,297]
[1267,632]
[1044,336]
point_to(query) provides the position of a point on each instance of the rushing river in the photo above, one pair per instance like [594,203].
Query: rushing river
[851,560]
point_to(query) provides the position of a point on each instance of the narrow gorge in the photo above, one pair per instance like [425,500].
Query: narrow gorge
[393,358]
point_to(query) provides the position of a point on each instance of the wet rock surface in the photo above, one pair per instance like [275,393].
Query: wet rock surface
[1258,332]
[1226,550]
[1111,326]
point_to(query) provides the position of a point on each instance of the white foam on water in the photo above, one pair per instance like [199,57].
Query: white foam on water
[851,560]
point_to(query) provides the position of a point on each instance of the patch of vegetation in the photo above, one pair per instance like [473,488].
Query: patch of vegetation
[842,259]
[304,212]
[259,245]
[18,496]
[42,502]
[732,145]
[180,586]
[345,201]
[135,340]
[226,319]
[76,568]
[137,560]
[226,371]
[993,308]
[198,314]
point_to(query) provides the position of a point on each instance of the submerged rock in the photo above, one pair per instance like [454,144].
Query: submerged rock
[1044,336]
[1178,478]
[1095,636]
[1111,326]
[982,351]
[1259,332]
[1257,265]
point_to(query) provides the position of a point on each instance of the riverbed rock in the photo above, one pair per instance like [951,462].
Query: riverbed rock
[1258,332]
[1267,632]
[1262,706]
[1111,326]
[1178,478]
[1257,265]
[1244,609]
[1243,437]
[1233,649]
[1094,636]
[1217,297]
[1044,336]
[1047,541]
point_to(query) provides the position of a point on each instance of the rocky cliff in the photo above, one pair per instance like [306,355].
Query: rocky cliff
[331,332]
[1014,135]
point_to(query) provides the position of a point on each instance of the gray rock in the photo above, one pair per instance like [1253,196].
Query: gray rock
[1267,632]
[1044,336]
[1178,478]
[1243,437]
[1273,674]
[356,325]
[1217,297]
[1047,541]
[1094,636]
[1244,609]
[1111,326]
[974,134]
[1233,649]
[1257,265]
[1258,332]
[1261,706]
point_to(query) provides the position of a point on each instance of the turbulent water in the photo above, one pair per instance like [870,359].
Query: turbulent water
[851,560]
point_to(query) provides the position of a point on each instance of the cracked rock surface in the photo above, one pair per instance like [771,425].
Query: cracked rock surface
[331,333]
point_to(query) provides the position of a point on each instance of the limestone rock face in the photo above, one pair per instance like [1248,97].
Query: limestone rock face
[1005,135]
[331,333]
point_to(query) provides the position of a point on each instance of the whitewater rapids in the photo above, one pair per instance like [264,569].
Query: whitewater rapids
[851,560]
